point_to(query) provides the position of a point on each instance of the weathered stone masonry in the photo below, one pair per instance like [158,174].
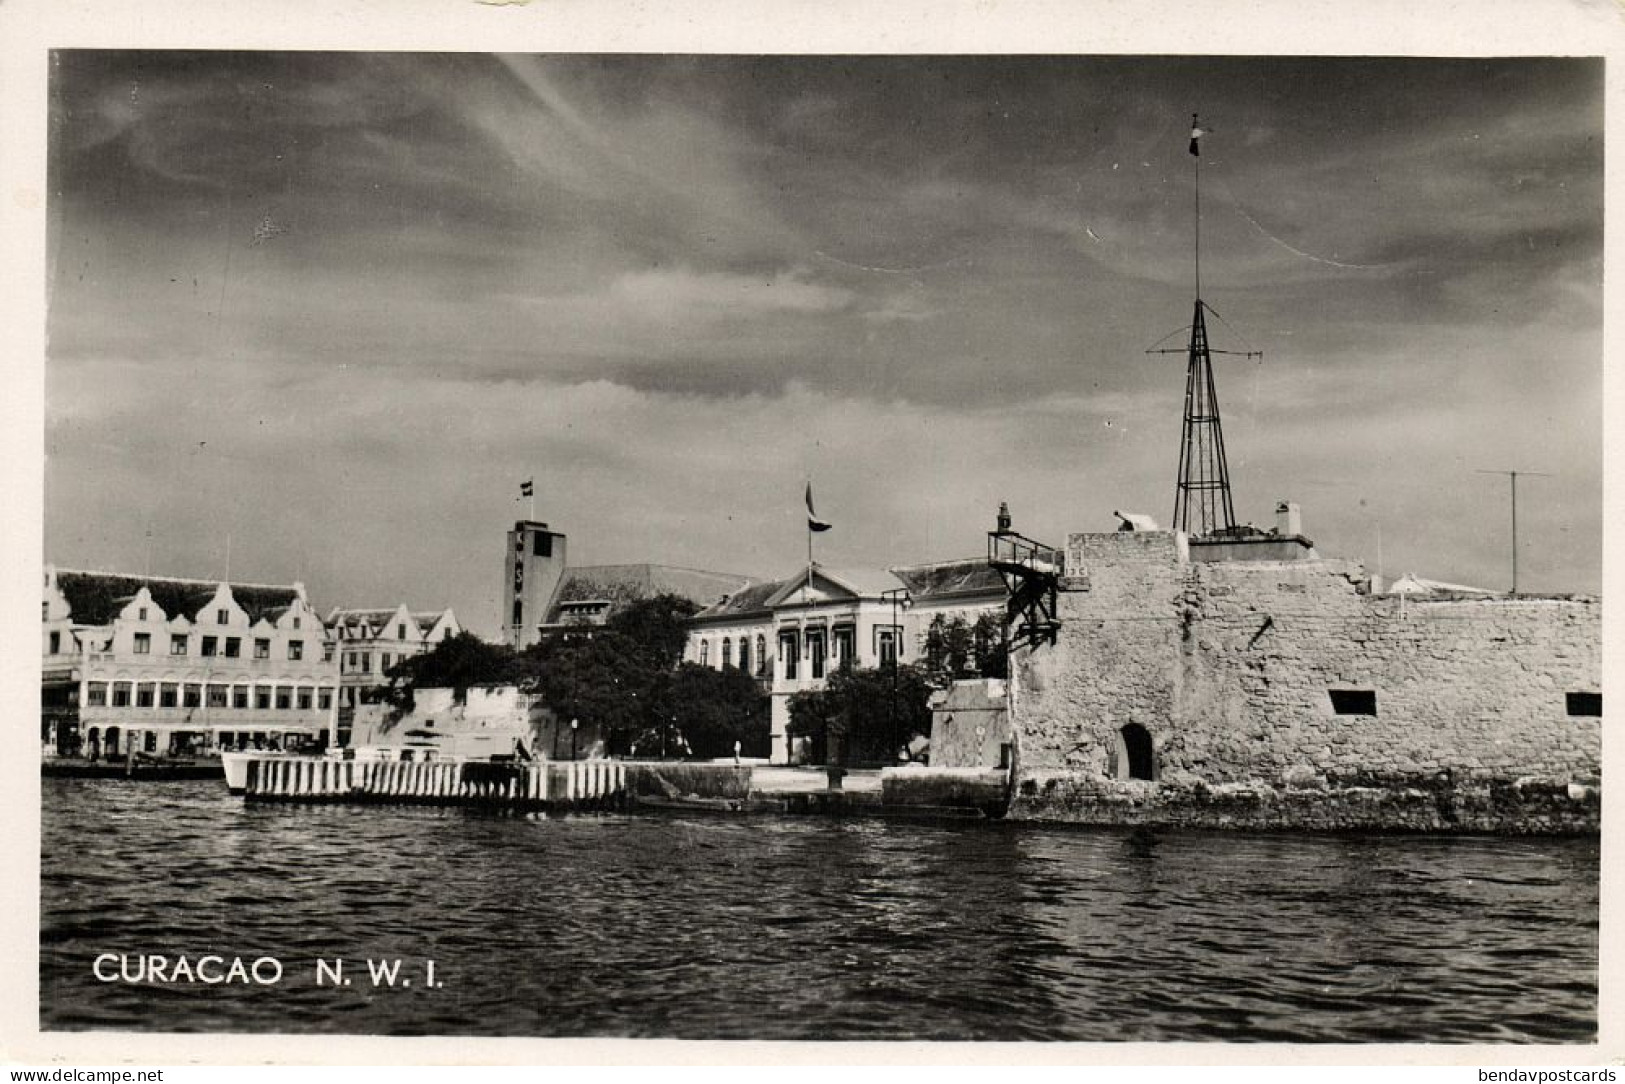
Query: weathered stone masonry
[1229,668]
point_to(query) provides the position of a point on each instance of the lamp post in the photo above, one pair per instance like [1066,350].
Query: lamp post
[898,597]
[573,725]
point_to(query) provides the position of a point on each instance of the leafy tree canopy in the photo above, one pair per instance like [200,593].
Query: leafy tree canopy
[458,662]
[708,711]
[656,627]
[623,677]
[864,716]
[957,649]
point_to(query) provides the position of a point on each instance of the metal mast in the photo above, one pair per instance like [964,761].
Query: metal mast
[1202,499]
[1513,474]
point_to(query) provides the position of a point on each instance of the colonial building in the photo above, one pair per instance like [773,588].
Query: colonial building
[543,592]
[369,642]
[152,664]
[793,633]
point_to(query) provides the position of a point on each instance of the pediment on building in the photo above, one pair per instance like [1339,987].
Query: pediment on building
[821,586]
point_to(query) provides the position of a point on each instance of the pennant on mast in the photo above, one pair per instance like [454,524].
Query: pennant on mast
[813,522]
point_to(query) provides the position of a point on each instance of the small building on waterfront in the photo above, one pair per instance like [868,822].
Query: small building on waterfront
[474,723]
[163,665]
[369,642]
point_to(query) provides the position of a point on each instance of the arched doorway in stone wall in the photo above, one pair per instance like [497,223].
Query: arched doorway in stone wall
[1135,756]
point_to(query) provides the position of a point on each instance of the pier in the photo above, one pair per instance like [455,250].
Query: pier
[576,784]
[596,785]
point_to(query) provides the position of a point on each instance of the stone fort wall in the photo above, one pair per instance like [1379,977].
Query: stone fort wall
[1230,667]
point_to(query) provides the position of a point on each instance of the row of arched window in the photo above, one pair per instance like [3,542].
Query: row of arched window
[743,662]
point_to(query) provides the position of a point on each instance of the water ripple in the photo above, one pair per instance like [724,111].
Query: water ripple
[806,928]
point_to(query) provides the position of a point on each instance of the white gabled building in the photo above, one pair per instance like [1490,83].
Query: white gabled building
[159,665]
[369,642]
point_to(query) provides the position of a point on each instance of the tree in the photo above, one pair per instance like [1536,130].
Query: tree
[656,627]
[458,662]
[611,675]
[955,649]
[992,649]
[864,716]
[707,711]
[601,679]
[621,677]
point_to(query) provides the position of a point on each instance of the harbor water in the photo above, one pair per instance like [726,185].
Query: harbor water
[774,927]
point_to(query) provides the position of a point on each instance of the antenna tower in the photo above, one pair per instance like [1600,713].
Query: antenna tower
[1202,502]
[1202,499]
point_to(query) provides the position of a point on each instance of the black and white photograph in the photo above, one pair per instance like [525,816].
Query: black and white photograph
[1057,545]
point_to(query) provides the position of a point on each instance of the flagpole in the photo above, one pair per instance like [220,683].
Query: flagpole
[1195,127]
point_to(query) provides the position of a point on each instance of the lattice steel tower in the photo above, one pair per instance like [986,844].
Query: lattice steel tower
[1202,500]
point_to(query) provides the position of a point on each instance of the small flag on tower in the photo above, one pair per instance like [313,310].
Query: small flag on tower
[527,488]
[1197,132]
[813,522]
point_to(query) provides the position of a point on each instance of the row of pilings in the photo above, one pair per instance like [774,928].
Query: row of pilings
[572,784]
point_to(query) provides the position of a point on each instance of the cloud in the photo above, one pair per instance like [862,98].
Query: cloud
[672,288]
[662,294]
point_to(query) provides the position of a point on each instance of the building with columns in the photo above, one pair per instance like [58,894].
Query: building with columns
[792,633]
[157,664]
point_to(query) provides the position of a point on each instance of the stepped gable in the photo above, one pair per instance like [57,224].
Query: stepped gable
[95,598]
[368,620]
[267,602]
[972,576]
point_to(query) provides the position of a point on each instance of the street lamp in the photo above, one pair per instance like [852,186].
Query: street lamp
[573,725]
[898,597]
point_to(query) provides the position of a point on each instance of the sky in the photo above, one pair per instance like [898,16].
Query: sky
[316,316]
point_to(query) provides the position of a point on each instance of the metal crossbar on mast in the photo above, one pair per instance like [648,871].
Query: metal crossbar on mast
[1202,503]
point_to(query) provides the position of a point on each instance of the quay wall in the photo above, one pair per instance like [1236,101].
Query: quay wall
[1284,693]
[675,780]
[983,789]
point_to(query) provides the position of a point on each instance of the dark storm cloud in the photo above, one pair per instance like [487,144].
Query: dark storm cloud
[687,281]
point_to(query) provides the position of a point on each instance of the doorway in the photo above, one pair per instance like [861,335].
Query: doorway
[1135,759]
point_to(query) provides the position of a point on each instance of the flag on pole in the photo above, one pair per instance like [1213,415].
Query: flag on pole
[1197,132]
[527,488]
[813,522]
